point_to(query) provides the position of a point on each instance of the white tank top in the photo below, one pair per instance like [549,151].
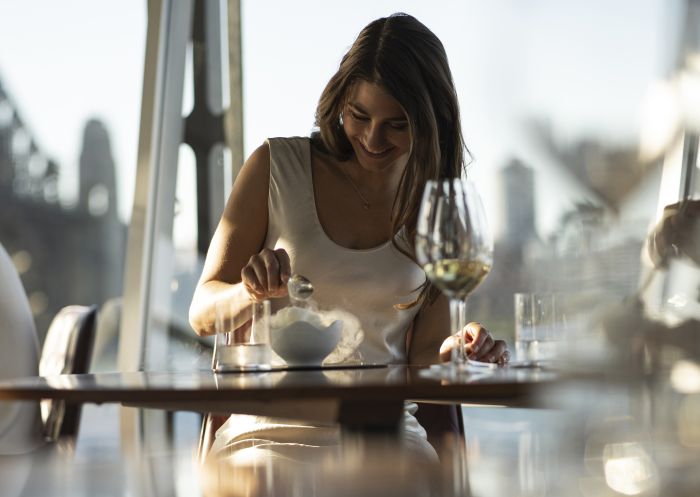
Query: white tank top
[367,283]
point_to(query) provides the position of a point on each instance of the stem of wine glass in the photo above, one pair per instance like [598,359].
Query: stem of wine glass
[459,355]
[463,323]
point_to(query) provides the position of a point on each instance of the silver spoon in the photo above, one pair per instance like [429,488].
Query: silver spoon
[299,287]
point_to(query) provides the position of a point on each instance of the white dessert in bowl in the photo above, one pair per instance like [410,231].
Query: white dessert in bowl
[303,337]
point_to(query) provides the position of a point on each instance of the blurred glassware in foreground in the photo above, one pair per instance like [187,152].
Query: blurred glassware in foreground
[360,465]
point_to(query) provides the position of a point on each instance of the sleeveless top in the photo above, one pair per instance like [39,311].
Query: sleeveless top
[368,283]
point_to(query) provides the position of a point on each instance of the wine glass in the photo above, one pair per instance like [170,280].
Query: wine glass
[454,246]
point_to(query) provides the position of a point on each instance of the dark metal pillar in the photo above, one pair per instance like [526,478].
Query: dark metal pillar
[203,128]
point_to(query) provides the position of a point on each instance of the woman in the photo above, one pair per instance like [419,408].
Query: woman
[340,207]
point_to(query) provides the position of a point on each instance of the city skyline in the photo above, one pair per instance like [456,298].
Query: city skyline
[50,243]
[556,51]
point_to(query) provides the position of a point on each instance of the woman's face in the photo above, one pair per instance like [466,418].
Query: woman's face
[376,127]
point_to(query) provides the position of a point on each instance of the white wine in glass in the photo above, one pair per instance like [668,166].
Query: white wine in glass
[457,276]
[454,246]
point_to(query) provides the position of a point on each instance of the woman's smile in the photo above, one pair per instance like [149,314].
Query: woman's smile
[378,154]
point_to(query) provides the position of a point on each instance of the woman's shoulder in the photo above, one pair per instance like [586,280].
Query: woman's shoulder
[287,142]
[276,147]
[289,152]
[257,163]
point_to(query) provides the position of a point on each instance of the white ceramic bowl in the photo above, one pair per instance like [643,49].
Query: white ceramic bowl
[303,344]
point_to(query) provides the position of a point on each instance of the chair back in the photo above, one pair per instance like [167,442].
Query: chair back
[67,350]
[440,421]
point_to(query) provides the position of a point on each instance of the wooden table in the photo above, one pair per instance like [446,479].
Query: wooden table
[133,451]
[357,397]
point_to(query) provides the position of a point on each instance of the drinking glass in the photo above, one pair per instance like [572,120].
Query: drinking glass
[536,327]
[454,246]
[245,345]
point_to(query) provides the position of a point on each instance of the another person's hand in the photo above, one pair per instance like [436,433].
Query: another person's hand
[266,274]
[676,234]
[479,345]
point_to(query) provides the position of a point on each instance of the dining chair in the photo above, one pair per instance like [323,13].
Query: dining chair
[440,422]
[67,349]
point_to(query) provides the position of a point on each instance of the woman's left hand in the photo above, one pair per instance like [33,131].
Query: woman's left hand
[479,345]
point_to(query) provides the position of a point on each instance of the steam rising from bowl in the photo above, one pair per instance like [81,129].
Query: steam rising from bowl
[302,336]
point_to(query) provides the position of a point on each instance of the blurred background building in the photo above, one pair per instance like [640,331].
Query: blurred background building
[594,247]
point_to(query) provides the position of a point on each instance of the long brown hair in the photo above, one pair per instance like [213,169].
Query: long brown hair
[405,58]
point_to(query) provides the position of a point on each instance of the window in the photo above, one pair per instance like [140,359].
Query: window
[69,110]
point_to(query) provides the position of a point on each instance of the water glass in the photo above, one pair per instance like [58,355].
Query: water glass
[242,345]
[536,333]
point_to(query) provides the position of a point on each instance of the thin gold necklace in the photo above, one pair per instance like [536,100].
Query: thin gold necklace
[365,202]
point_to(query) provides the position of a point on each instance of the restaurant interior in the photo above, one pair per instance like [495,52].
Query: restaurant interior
[123,126]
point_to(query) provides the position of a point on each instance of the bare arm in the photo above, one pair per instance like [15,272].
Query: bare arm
[431,327]
[239,236]
[431,340]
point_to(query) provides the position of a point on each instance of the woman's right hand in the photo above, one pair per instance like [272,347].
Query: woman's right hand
[676,234]
[266,274]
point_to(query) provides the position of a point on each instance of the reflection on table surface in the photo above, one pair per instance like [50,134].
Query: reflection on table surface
[353,465]
[367,399]
[392,382]
[162,457]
